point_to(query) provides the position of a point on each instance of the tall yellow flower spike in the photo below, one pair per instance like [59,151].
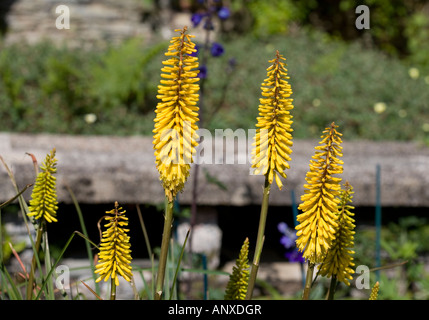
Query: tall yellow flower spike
[176,114]
[236,287]
[339,260]
[374,291]
[115,252]
[273,139]
[43,203]
[318,221]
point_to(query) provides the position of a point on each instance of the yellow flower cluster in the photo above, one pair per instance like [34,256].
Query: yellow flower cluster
[177,114]
[115,252]
[318,220]
[273,138]
[374,291]
[43,203]
[339,260]
[236,288]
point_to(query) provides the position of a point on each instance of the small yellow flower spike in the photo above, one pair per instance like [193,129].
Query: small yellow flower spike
[236,288]
[318,221]
[115,252]
[339,260]
[273,139]
[176,114]
[374,291]
[43,203]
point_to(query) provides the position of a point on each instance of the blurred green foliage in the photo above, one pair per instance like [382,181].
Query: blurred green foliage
[334,78]
[51,89]
[45,88]
[331,81]
[398,28]
[404,241]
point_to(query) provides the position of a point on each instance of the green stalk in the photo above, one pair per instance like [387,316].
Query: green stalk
[39,234]
[331,291]
[149,251]
[112,289]
[260,239]
[308,281]
[178,264]
[48,265]
[166,235]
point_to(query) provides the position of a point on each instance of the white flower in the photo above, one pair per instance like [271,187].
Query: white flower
[380,107]
[90,118]
[413,73]
[316,102]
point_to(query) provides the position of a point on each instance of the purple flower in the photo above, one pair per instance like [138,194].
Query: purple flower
[216,49]
[196,18]
[282,227]
[223,13]
[287,242]
[203,72]
[294,256]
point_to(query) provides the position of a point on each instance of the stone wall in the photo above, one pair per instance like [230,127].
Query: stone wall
[102,169]
[91,21]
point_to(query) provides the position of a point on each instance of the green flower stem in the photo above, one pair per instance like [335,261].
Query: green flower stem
[308,281]
[331,291]
[168,223]
[112,289]
[39,234]
[260,239]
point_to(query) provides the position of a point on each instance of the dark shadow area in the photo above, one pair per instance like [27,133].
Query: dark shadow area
[5,6]
[236,224]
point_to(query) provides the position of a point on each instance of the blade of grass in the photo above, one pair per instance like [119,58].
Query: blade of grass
[148,246]
[178,263]
[21,264]
[60,256]
[13,292]
[48,266]
[92,291]
[35,260]
[4,204]
[82,225]
[213,272]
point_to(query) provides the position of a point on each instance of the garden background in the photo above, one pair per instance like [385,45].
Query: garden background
[98,80]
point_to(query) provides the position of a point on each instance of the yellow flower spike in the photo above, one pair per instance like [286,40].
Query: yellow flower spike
[273,140]
[339,260]
[43,203]
[176,114]
[374,291]
[273,137]
[115,252]
[320,203]
[236,288]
